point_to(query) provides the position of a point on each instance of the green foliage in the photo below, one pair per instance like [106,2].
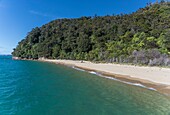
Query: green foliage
[100,38]
[164,42]
[56,50]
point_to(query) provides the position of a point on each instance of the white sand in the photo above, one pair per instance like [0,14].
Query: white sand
[152,74]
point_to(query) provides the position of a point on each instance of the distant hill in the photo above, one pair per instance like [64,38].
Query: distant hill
[142,37]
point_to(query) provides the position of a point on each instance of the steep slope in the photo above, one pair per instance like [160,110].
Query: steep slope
[141,37]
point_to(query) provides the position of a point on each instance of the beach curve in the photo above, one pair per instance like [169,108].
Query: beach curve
[154,78]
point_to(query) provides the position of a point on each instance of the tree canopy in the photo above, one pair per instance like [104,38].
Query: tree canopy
[120,38]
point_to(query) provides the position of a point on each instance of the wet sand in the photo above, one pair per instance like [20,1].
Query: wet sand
[156,78]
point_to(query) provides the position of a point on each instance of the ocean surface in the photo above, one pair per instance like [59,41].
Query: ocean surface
[39,88]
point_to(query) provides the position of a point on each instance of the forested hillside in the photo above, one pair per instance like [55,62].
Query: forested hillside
[142,37]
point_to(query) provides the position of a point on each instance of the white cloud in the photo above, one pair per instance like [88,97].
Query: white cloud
[41,14]
[4,51]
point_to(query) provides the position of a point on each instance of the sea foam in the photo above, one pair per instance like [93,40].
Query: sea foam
[130,83]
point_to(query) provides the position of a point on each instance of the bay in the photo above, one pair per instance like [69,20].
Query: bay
[39,88]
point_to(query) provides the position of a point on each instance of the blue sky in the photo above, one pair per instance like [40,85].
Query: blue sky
[18,17]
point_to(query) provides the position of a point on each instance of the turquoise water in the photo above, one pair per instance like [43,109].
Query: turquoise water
[37,88]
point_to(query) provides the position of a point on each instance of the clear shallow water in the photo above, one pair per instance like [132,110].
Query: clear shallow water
[37,88]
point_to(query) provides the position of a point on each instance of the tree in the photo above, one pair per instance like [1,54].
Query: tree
[164,42]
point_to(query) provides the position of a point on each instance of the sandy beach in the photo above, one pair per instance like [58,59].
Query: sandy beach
[152,77]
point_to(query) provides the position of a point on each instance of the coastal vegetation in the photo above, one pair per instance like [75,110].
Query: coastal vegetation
[142,37]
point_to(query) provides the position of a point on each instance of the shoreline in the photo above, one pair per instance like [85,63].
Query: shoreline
[153,78]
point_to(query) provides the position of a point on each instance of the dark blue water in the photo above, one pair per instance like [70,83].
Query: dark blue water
[37,88]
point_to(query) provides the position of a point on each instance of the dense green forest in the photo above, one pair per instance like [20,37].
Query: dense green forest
[142,37]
